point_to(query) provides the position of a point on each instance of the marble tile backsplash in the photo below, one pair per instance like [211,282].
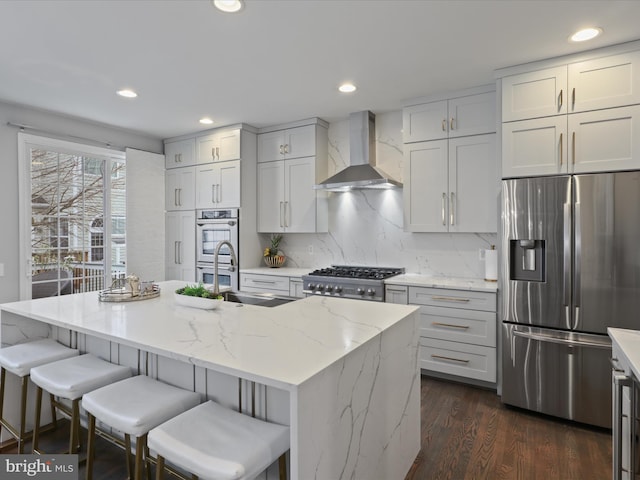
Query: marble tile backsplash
[366,226]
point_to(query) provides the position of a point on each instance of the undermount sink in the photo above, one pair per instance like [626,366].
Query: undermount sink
[259,299]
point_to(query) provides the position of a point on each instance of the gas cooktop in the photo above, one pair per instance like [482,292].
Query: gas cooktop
[349,281]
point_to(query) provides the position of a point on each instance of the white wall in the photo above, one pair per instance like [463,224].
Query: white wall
[50,122]
[365,226]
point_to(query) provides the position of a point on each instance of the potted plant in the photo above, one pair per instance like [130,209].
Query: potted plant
[197,296]
[272,255]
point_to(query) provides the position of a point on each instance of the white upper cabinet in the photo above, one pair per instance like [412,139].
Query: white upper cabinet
[181,153]
[575,118]
[606,82]
[534,94]
[451,185]
[290,162]
[295,142]
[605,140]
[219,146]
[218,185]
[456,117]
[180,189]
[535,147]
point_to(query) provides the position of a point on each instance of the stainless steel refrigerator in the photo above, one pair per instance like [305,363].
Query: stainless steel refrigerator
[570,268]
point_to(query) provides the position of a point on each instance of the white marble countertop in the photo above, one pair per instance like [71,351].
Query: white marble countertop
[628,342]
[414,279]
[281,272]
[281,346]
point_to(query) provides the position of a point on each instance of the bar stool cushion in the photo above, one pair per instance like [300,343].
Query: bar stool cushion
[217,443]
[73,377]
[20,359]
[138,404]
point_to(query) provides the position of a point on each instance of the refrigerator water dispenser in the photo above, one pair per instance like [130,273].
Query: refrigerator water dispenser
[527,260]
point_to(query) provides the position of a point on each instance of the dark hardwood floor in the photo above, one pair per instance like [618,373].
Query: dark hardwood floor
[467,434]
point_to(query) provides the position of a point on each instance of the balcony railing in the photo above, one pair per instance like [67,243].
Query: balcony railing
[50,280]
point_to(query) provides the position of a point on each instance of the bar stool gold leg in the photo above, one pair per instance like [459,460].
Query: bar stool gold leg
[2,377]
[147,460]
[159,467]
[36,426]
[140,446]
[54,418]
[91,439]
[23,413]
[127,447]
[282,466]
[74,437]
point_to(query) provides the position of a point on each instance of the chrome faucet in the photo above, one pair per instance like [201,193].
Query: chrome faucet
[234,261]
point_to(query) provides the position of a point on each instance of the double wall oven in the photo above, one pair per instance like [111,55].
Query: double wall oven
[212,227]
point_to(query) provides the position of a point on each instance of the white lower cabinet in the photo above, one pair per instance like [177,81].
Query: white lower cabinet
[457,332]
[276,284]
[180,255]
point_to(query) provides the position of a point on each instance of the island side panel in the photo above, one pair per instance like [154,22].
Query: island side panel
[360,417]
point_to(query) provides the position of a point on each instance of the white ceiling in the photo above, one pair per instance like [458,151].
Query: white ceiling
[278,60]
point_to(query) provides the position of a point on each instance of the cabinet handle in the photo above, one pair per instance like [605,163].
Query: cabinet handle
[451,359]
[573,147]
[213,193]
[281,149]
[180,197]
[286,214]
[451,123]
[213,153]
[560,100]
[175,252]
[286,148]
[444,124]
[450,299]
[179,252]
[281,214]
[449,325]
[560,149]
[452,207]
[218,153]
[219,192]
[573,97]
[265,282]
[614,365]
[444,199]
[175,197]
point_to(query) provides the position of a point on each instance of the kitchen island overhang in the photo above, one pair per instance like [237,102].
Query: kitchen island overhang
[349,367]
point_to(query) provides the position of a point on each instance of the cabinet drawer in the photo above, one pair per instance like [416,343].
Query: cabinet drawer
[264,283]
[465,299]
[471,361]
[466,326]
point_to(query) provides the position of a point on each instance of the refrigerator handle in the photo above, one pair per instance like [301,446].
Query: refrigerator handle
[566,281]
[620,381]
[576,265]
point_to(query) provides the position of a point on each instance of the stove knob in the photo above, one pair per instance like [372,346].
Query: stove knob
[329,288]
[371,292]
[360,291]
[319,287]
[337,289]
[311,286]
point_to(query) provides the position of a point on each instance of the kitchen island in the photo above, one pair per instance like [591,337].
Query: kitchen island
[342,373]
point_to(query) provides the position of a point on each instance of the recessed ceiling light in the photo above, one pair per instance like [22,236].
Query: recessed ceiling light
[347,88]
[206,121]
[127,93]
[228,6]
[585,34]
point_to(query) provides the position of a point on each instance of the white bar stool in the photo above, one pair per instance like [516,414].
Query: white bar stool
[217,443]
[134,406]
[19,360]
[70,379]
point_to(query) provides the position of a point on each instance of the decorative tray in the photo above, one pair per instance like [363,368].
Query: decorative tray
[125,294]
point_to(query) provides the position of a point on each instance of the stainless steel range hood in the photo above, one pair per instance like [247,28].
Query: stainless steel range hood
[361,172]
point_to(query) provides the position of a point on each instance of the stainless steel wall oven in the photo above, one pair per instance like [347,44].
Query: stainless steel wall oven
[213,227]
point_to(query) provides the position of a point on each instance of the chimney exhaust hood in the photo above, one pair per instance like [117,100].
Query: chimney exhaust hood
[361,172]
